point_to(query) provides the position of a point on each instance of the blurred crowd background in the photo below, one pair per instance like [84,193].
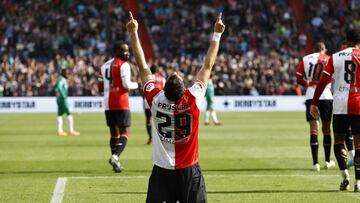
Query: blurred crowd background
[259,51]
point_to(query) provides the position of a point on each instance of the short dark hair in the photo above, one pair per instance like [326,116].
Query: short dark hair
[174,88]
[353,36]
[117,46]
[153,69]
[319,46]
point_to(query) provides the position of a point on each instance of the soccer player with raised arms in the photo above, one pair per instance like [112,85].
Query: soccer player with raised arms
[176,175]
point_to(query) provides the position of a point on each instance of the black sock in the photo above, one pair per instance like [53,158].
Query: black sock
[327,147]
[148,129]
[121,145]
[357,164]
[314,148]
[114,142]
[340,154]
[349,140]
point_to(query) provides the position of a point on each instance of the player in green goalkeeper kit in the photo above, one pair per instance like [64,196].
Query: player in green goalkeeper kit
[61,89]
[210,111]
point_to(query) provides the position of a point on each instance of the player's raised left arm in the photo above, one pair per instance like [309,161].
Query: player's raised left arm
[205,71]
[132,28]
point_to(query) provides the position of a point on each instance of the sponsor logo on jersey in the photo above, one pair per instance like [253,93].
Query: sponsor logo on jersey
[150,87]
[115,64]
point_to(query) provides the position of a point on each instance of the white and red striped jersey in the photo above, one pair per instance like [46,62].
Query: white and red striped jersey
[116,76]
[175,126]
[159,83]
[310,70]
[344,66]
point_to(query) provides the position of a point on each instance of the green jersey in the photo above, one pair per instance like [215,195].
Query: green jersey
[61,87]
[210,91]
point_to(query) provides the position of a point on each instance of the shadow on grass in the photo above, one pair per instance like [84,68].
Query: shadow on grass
[237,192]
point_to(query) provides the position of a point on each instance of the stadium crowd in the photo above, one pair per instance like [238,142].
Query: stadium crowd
[259,51]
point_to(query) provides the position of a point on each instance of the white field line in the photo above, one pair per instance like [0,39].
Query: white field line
[59,190]
[61,181]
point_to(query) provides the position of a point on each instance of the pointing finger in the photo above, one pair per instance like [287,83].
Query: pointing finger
[131,16]
[219,16]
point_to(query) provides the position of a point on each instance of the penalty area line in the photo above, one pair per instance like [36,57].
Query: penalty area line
[59,190]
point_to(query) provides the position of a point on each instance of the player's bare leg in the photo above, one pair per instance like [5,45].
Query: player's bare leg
[340,154]
[327,144]
[314,143]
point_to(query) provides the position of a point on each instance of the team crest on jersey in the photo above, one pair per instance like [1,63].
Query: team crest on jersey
[150,87]
[115,64]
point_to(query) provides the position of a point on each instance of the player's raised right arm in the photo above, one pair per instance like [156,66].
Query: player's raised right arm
[132,28]
[205,71]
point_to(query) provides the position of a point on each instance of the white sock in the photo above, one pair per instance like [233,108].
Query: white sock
[207,114]
[59,123]
[345,174]
[357,182]
[70,123]
[214,117]
[351,154]
[116,157]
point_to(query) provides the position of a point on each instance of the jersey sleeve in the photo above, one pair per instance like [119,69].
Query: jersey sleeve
[329,68]
[100,81]
[300,74]
[150,91]
[300,70]
[125,74]
[198,90]
[60,88]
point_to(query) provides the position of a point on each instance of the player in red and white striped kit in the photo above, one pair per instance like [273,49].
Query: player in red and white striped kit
[344,68]
[159,83]
[308,74]
[176,175]
[115,83]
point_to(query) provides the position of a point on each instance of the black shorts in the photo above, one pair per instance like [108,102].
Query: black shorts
[342,122]
[147,113]
[325,108]
[121,118]
[184,185]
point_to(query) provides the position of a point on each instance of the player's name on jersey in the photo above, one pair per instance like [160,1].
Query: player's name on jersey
[173,107]
[17,105]
[349,54]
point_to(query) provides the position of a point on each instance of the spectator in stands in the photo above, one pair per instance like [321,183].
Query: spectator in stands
[262,46]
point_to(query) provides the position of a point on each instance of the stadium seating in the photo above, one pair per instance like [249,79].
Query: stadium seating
[259,51]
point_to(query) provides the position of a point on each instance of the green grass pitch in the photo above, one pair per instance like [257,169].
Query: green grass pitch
[253,157]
